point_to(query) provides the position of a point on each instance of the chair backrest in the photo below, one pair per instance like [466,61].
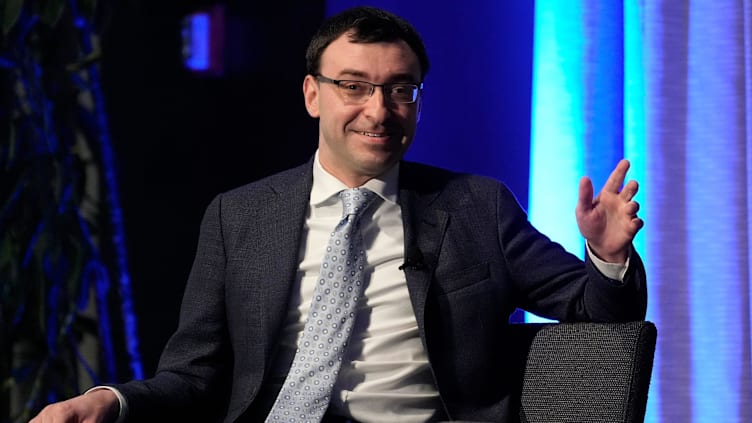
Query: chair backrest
[585,372]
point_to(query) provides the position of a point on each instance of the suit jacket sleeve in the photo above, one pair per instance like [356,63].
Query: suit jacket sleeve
[193,366]
[554,283]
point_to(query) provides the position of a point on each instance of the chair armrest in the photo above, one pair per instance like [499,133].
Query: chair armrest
[586,372]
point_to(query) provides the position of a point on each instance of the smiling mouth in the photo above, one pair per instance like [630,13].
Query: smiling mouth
[373,134]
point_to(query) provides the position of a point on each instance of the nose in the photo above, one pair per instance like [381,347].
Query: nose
[377,108]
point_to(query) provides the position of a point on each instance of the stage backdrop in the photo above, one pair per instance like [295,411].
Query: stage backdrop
[663,83]
[535,93]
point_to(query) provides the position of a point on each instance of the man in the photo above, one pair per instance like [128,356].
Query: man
[447,257]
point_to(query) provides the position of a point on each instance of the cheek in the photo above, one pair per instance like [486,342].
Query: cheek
[409,121]
[335,124]
[343,118]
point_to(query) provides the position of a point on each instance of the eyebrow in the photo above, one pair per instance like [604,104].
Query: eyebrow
[400,77]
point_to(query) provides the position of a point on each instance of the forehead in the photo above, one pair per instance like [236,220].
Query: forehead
[375,61]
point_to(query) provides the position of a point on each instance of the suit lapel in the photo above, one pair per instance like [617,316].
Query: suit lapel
[424,224]
[282,218]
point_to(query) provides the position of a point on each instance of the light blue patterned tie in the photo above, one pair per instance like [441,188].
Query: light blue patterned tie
[307,389]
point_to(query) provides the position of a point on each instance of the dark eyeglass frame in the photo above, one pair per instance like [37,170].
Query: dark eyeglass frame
[417,89]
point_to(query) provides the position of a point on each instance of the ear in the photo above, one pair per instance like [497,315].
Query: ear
[311,95]
[420,108]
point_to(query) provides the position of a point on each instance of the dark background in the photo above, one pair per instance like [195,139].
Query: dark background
[181,138]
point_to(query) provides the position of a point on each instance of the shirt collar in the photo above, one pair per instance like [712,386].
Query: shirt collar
[325,185]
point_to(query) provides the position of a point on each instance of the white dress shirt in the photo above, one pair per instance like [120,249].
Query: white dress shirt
[385,374]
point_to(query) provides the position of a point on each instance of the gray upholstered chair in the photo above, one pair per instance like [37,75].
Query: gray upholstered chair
[585,372]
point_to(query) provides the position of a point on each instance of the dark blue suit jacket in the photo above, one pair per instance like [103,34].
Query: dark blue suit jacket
[482,260]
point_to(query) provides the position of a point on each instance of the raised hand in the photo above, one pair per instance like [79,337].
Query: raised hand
[609,221]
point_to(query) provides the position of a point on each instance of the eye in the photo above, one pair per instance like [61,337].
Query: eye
[401,89]
[354,87]
[402,92]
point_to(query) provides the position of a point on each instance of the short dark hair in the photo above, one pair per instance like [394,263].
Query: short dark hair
[367,25]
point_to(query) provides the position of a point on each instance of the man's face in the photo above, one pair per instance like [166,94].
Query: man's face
[360,141]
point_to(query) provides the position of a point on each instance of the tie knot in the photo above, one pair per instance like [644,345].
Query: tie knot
[355,200]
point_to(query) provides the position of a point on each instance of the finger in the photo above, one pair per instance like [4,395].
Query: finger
[585,198]
[631,208]
[616,178]
[629,190]
[636,224]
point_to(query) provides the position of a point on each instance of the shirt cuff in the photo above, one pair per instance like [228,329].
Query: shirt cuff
[123,410]
[615,271]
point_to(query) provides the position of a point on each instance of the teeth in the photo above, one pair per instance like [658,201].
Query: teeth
[371,134]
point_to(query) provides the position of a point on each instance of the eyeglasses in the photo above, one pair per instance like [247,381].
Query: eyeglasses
[358,92]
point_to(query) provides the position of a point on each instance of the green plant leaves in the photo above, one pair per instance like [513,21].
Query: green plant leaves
[50,200]
[10,13]
[49,11]
[87,7]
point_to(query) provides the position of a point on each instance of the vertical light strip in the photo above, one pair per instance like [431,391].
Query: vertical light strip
[603,88]
[716,190]
[634,109]
[747,31]
[577,116]
[748,124]
[556,156]
[557,130]
[635,149]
